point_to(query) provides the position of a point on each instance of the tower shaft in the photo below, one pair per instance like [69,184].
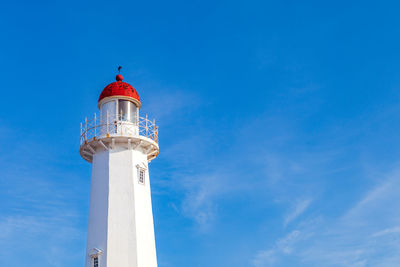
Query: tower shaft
[121,231]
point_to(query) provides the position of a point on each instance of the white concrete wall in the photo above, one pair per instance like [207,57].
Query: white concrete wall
[144,216]
[121,218]
[98,212]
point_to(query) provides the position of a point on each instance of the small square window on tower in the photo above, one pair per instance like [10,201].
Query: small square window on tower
[142,175]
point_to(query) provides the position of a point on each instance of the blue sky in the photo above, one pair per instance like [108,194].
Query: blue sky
[279,128]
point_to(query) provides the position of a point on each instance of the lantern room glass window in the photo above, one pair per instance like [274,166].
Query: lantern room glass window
[127,110]
[108,108]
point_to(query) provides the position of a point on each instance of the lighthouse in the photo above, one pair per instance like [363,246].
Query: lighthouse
[119,143]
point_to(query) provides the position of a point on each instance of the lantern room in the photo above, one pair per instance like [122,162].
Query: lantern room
[119,100]
[119,123]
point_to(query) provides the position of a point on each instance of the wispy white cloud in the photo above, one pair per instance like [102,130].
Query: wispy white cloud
[387,231]
[299,208]
[202,195]
[286,244]
[365,235]
[283,246]
[264,258]
[199,201]
[204,176]
[384,192]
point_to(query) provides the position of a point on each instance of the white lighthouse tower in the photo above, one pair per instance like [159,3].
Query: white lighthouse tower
[119,144]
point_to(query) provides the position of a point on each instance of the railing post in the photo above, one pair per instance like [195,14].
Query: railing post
[146,127]
[156,134]
[154,127]
[85,128]
[137,130]
[81,134]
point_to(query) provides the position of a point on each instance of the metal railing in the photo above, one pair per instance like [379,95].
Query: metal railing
[117,125]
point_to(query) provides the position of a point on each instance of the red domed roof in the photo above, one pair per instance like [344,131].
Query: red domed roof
[120,88]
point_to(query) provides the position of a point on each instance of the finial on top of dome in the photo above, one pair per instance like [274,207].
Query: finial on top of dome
[119,76]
